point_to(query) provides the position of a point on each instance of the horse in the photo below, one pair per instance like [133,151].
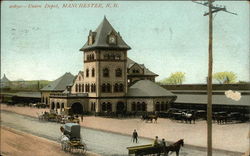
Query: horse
[150,118]
[187,117]
[175,147]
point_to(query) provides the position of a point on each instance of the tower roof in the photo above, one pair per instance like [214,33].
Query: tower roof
[5,79]
[101,36]
[59,84]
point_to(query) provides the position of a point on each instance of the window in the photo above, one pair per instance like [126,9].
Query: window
[104,106]
[121,88]
[79,88]
[118,72]
[93,88]
[109,107]
[82,87]
[93,106]
[79,78]
[108,87]
[86,87]
[87,72]
[116,88]
[93,72]
[162,106]
[157,106]
[105,72]
[133,106]
[76,88]
[103,87]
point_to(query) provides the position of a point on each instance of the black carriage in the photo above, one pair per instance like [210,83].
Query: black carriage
[71,138]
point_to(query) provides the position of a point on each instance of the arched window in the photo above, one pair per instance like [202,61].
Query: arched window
[116,88]
[93,106]
[94,88]
[133,106]
[80,88]
[120,87]
[104,106]
[104,87]
[162,106]
[86,87]
[109,107]
[93,72]
[87,72]
[108,87]
[157,106]
[118,72]
[76,88]
[105,72]
[92,56]
[88,58]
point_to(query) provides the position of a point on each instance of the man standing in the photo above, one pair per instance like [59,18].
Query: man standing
[135,136]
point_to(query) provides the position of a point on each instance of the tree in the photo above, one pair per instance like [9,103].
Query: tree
[174,78]
[225,77]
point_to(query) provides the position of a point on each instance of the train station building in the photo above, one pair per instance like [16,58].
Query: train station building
[109,80]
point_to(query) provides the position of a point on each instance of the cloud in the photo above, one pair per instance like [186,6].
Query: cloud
[234,95]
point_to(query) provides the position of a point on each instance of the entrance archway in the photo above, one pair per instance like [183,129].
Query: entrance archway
[77,108]
[120,107]
[52,105]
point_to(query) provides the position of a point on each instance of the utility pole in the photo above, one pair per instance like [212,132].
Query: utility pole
[211,9]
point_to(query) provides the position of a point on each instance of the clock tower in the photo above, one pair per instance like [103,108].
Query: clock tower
[105,68]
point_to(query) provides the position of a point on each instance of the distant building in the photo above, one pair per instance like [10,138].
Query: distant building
[5,82]
[110,81]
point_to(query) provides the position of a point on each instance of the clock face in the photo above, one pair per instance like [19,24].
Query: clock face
[112,39]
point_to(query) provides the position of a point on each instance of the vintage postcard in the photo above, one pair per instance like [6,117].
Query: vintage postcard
[125,78]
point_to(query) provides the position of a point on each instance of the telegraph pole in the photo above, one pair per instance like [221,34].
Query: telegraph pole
[211,9]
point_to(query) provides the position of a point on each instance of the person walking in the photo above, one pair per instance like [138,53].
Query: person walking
[156,141]
[135,136]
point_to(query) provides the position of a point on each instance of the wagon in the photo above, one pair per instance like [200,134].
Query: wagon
[144,150]
[71,139]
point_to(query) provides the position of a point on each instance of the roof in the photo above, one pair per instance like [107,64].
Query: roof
[101,34]
[216,99]
[130,63]
[26,94]
[60,83]
[147,88]
[5,79]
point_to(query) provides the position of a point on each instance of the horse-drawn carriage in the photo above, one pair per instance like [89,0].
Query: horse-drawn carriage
[151,149]
[71,138]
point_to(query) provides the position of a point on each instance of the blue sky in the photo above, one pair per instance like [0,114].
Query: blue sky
[42,43]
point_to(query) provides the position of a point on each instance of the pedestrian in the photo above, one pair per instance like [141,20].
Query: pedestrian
[163,142]
[156,141]
[135,136]
[82,118]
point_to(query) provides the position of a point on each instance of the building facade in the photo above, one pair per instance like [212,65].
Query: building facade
[110,81]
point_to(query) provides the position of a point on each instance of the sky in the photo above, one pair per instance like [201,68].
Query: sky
[167,37]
